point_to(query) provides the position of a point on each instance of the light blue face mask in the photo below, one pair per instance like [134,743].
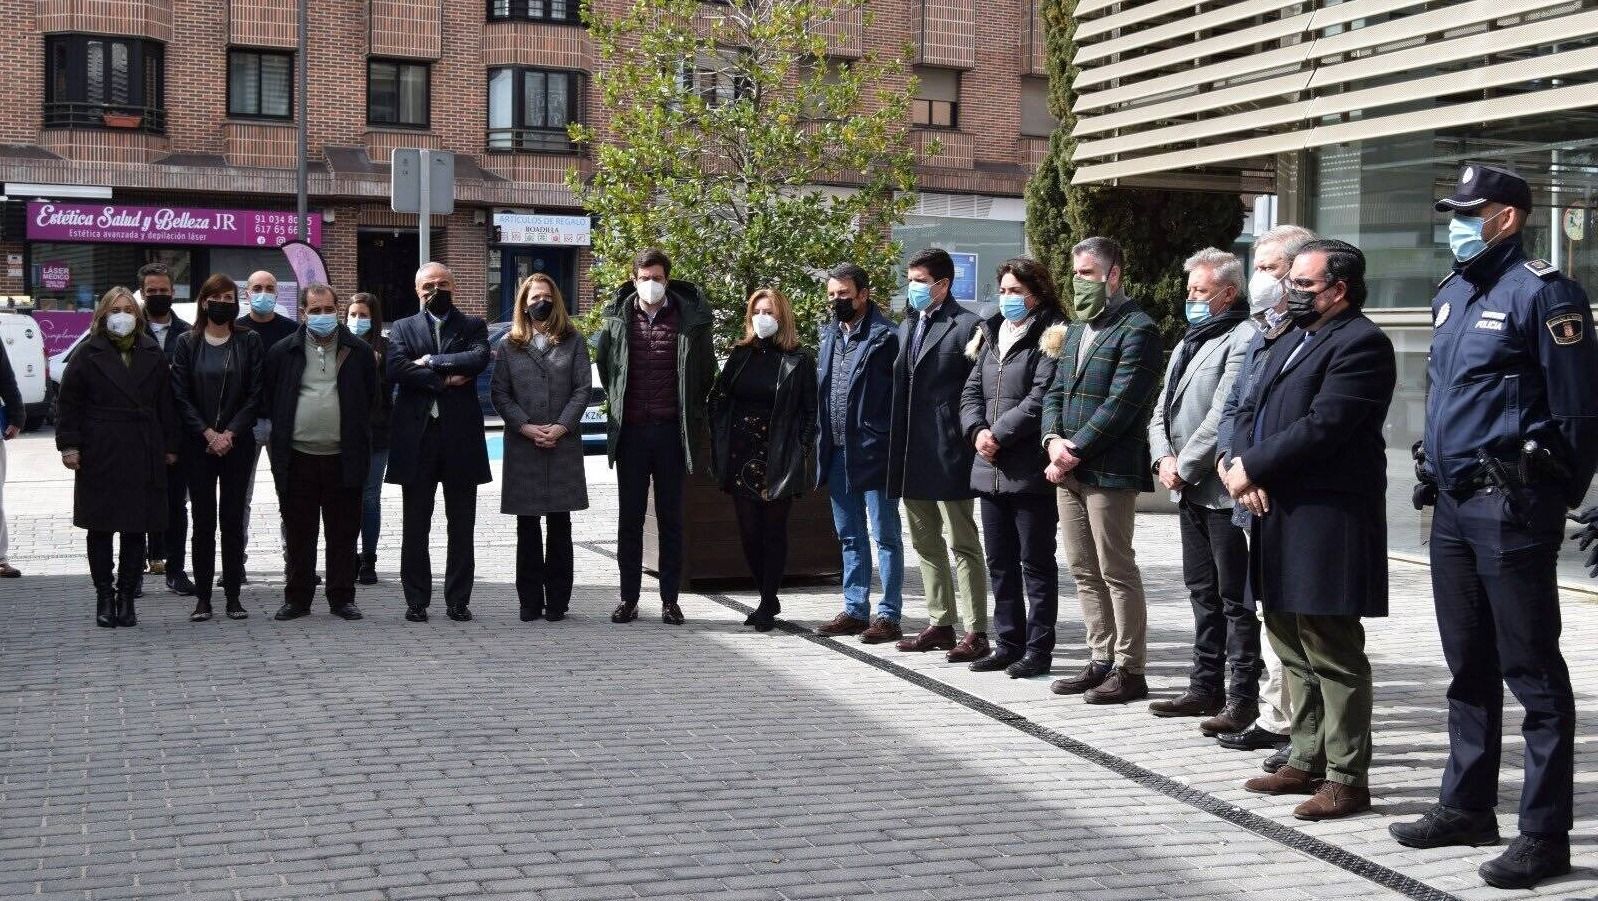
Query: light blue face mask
[322,324]
[359,325]
[262,304]
[920,296]
[1197,311]
[1013,307]
[1465,235]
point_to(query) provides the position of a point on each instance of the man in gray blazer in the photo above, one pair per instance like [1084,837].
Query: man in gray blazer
[1224,682]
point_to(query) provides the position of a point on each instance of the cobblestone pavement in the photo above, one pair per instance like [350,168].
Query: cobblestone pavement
[584,760]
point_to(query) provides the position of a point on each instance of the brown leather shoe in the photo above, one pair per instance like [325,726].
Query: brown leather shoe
[842,624]
[881,631]
[1236,716]
[1333,800]
[1286,781]
[1188,703]
[1092,676]
[974,646]
[932,638]
[1120,688]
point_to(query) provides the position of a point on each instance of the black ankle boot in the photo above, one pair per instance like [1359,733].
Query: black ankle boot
[125,615]
[368,571]
[105,598]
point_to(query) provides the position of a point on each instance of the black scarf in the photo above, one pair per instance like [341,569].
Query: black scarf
[1212,327]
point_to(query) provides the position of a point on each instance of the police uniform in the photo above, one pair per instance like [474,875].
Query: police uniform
[1513,360]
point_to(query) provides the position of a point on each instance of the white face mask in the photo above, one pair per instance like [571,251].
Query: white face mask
[765,325]
[1264,291]
[120,324]
[650,292]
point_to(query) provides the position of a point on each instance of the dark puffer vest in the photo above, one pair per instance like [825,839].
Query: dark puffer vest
[651,367]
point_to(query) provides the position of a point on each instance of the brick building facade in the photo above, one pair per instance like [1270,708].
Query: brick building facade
[181,104]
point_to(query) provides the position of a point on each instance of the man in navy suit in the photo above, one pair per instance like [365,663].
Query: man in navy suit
[165,549]
[434,358]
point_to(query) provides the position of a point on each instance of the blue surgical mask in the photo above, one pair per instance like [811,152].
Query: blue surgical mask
[1197,311]
[1013,307]
[360,325]
[920,296]
[322,324]
[262,304]
[1465,235]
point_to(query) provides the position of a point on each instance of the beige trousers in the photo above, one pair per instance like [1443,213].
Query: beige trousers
[1097,526]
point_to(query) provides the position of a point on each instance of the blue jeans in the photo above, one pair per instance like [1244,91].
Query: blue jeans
[372,502]
[849,516]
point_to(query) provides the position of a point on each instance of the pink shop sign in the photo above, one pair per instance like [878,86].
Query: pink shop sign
[113,223]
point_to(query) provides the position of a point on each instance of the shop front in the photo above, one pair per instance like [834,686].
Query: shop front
[524,244]
[77,251]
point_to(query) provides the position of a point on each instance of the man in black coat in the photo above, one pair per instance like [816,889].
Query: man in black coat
[929,459]
[165,549]
[15,415]
[436,437]
[319,390]
[1309,462]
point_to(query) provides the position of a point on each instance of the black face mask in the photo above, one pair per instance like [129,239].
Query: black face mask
[158,304]
[1301,306]
[540,310]
[843,310]
[441,301]
[221,312]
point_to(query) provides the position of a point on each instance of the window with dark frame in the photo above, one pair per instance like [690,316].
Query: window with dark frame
[710,79]
[535,10]
[937,100]
[103,81]
[260,84]
[397,94]
[529,109]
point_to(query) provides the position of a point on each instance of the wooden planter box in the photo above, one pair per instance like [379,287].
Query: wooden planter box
[711,550]
[122,120]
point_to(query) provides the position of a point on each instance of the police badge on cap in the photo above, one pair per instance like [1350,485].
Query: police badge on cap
[1480,184]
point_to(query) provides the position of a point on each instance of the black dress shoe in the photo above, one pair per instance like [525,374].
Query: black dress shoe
[671,614]
[762,621]
[554,616]
[625,612]
[1528,860]
[180,584]
[531,614]
[348,612]
[1251,739]
[1278,760]
[1445,826]
[461,614]
[1029,666]
[416,614]
[994,662]
[289,611]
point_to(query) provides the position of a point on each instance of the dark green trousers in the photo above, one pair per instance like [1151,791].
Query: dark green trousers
[1329,677]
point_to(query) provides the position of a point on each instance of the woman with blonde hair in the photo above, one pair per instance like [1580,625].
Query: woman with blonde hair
[540,388]
[762,434]
[118,432]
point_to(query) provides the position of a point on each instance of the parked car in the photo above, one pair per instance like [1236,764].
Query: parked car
[594,425]
[24,346]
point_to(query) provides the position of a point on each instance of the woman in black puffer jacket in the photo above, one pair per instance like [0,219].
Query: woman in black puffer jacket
[1001,411]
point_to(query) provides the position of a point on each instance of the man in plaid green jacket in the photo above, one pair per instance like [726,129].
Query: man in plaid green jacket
[1095,425]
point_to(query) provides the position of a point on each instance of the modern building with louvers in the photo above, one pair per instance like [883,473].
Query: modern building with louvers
[1354,115]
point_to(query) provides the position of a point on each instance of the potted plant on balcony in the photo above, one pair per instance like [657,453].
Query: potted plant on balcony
[750,167]
[120,119]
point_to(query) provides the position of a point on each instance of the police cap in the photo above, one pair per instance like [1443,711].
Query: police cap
[1480,184]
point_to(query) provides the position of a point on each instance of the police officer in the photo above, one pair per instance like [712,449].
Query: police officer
[1511,442]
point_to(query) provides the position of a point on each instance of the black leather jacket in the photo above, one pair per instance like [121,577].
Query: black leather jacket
[224,399]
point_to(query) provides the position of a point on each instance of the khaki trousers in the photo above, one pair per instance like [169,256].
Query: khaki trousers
[1097,526]
[928,521]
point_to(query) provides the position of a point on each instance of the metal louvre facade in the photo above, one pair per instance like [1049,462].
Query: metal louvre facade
[1228,87]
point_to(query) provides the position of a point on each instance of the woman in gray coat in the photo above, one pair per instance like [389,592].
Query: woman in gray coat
[540,388]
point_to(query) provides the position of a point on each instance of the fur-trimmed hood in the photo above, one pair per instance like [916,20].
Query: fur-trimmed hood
[1051,342]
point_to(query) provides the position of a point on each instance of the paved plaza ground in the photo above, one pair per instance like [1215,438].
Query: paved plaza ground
[584,760]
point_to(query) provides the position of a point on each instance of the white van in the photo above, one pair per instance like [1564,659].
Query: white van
[24,344]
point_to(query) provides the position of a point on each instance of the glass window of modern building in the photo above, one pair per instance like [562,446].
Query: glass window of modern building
[1356,116]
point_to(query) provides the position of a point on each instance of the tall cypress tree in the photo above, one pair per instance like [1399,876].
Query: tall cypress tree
[1158,229]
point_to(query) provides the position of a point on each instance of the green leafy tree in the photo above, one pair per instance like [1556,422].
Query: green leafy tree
[1158,229]
[723,129]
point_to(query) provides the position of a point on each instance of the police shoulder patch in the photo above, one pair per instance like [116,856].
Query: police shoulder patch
[1541,268]
[1567,328]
